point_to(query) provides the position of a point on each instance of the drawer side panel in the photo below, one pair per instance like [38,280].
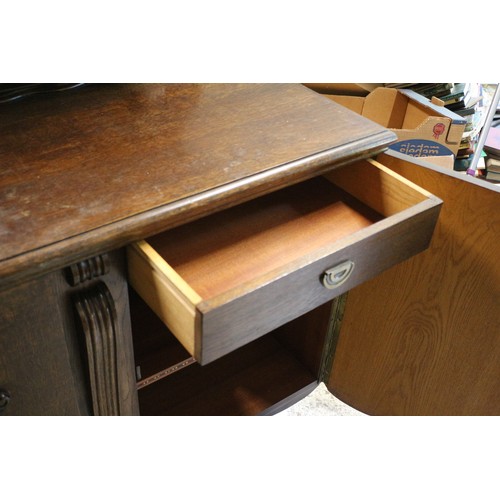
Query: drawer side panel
[158,291]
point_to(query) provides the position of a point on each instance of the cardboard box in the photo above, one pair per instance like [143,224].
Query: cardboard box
[423,127]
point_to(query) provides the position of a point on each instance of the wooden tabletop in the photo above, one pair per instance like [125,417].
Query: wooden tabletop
[93,168]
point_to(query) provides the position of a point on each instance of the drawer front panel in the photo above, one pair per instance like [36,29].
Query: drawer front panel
[227,326]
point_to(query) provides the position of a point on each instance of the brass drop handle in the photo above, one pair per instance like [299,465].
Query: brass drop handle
[4,399]
[337,275]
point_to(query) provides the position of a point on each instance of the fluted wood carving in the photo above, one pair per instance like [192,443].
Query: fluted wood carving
[88,269]
[96,310]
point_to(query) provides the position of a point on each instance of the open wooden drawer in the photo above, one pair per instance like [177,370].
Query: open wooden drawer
[224,280]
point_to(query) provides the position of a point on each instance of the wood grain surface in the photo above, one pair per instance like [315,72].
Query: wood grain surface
[424,337]
[220,252]
[96,167]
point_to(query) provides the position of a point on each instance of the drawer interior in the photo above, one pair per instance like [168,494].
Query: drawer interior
[222,251]
[263,377]
[217,253]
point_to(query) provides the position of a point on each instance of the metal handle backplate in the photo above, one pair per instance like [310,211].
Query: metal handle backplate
[337,275]
[4,399]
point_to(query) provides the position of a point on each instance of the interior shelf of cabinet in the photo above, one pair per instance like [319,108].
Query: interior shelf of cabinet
[263,377]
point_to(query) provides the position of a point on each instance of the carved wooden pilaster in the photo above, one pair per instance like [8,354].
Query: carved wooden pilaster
[97,313]
[88,269]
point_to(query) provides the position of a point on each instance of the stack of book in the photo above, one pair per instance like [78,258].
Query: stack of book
[492,151]
[467,100]
[428,90]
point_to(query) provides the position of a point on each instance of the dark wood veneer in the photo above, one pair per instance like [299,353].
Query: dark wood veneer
[92,169]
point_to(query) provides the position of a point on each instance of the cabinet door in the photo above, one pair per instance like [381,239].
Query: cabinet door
[423,337]
[40,373]
[46,365]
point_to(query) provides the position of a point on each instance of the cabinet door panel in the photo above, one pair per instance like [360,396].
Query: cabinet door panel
[423,337]
[36,366]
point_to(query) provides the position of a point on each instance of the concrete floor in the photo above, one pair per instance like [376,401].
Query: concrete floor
[320,403]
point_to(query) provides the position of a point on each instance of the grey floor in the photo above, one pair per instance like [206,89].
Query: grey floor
[320,403]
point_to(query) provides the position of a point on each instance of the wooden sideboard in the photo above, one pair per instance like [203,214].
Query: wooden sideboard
[186,249]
